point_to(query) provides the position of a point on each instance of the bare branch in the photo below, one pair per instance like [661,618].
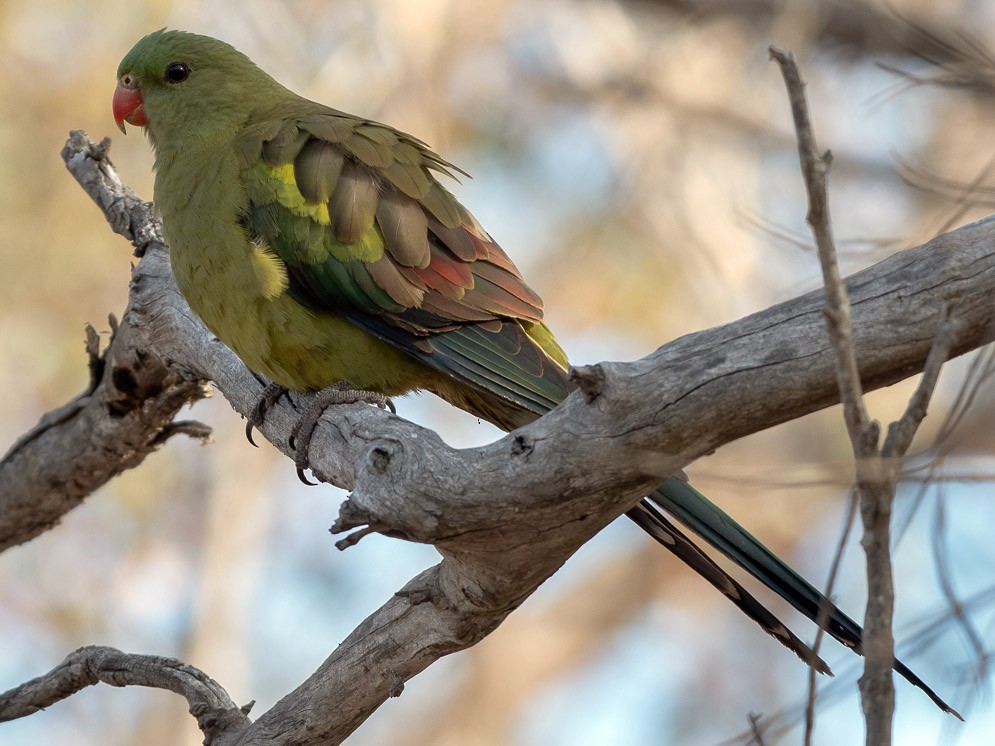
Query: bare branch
[108,429]
[505,516]
[877,470]
[876,685]
[127,410]
[815,169]
[900,433]
[209,703]
[851,511]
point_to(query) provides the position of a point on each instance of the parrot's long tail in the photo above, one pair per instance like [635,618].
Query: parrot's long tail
[712,524]
[696,512]
[649,518]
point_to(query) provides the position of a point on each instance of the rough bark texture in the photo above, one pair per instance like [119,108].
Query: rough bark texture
[505,516]
[128,411]
[208,701]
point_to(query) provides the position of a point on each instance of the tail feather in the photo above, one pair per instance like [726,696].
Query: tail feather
[649,518]
[712,524]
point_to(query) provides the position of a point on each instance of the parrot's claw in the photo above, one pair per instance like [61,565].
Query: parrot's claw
[270,396]
[315,406]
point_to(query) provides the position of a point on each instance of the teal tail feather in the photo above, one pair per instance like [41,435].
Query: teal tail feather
[707,520]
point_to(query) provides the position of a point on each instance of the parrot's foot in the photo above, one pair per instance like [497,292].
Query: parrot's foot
[271,395]
[315,405]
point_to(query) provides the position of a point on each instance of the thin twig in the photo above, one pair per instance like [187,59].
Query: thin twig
[216,713]
[945,581]
[815,169]
[981,369]
[900,433]
[873,486]
[876,685]
[756,729]
[877,469]
[851,511]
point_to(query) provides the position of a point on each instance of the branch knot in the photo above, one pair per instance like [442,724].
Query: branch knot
[590,379]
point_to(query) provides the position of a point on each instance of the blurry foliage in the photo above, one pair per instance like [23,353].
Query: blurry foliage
[636,158]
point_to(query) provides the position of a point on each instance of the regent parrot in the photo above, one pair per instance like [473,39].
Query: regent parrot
[321,247]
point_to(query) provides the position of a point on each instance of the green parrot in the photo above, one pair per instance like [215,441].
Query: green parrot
[321,247]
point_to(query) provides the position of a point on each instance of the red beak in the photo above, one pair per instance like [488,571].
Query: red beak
[128,105]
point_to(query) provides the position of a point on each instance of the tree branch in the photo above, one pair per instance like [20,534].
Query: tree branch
[877,470]
[209,703]
[505,516]
[135,393]
[815,169]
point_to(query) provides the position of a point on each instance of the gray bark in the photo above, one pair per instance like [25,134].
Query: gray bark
[504,516]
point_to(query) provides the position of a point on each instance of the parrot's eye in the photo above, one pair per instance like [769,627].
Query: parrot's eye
[176,72]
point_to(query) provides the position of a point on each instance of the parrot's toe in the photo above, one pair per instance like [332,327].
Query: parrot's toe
[270,396]
[315,406]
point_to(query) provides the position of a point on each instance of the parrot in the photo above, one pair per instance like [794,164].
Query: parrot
[325,251]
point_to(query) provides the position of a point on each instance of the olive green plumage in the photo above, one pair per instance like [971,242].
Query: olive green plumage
[321,247]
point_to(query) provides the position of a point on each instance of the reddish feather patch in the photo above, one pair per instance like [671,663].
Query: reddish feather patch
[445,273]
[510,283]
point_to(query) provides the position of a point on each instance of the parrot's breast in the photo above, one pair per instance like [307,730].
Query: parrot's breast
[238,287]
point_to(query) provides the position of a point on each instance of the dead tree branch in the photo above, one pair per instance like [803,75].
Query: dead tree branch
[209,703]
[134,394]
[877,469]
[505,516]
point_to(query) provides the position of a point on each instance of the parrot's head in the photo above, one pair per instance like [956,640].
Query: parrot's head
[180,85]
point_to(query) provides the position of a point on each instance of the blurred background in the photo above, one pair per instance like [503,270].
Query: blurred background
[637,160]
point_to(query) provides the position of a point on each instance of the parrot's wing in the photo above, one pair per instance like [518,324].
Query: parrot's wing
[366,231]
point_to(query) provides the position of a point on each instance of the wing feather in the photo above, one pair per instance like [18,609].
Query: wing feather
[354,210]
[353,206]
